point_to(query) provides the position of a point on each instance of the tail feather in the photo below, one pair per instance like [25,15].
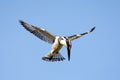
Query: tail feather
[57,57]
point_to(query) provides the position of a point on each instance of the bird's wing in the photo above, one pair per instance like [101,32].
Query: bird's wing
[39,32]
[73,37]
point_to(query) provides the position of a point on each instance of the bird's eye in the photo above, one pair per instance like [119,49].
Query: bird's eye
[60,38]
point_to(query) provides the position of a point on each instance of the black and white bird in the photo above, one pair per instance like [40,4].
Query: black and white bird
[56,41]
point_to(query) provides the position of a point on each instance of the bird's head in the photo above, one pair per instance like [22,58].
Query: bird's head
[67,43]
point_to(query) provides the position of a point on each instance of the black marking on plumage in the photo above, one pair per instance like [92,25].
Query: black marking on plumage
[57,57]
[68,47]
[67,41]
[79,35]
[24,24]
[72,36]
[84,33]
[92,29]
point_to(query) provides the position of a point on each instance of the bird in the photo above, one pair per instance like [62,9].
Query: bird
[57,41]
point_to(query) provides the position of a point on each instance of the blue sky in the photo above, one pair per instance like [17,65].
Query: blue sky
[93,57]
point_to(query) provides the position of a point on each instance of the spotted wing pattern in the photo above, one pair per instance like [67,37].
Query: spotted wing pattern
[39,32]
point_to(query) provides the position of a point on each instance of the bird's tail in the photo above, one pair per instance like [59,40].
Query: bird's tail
[57,57]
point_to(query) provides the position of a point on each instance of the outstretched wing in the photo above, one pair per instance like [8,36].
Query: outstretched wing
[39,32]
[79,35]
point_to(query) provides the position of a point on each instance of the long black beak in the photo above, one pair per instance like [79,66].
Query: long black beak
[68,49]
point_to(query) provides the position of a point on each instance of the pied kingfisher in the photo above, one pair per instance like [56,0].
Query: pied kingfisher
[56,41]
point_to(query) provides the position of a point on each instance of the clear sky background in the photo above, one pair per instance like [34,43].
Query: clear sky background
[93,57]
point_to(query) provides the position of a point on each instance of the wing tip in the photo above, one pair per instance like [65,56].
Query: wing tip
[21,22]
[93,29]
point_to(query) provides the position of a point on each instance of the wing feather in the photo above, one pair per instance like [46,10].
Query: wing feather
[73,37]
[56,57]
[39,32]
